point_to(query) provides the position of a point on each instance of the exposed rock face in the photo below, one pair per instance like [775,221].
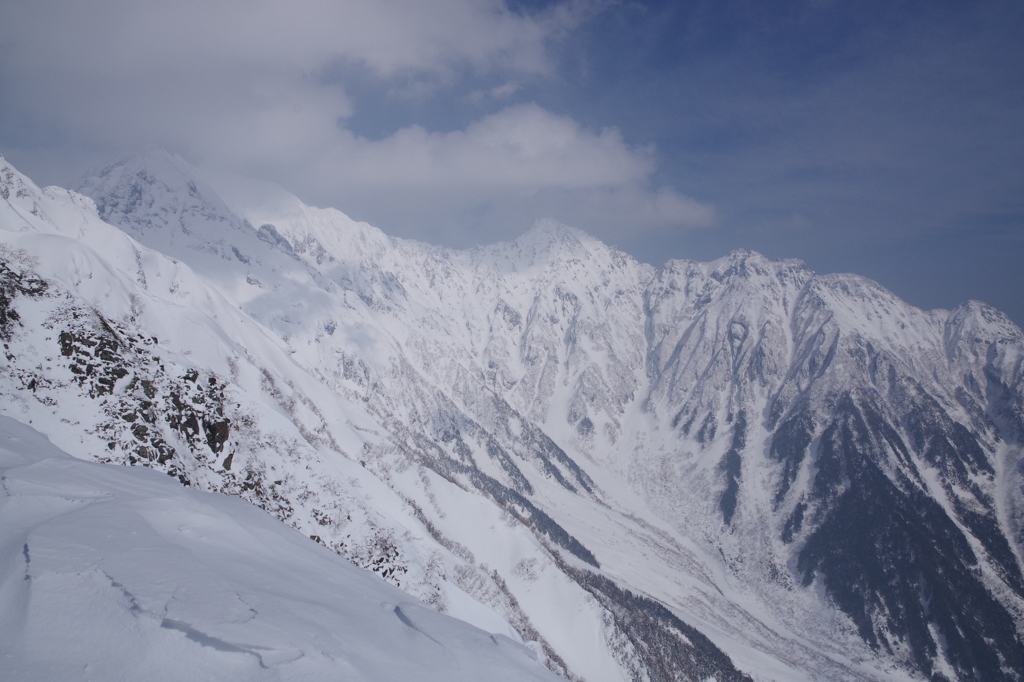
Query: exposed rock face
[674,473]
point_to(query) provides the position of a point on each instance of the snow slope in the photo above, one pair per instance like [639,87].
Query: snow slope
[122,573]
[121,354]
[729,469]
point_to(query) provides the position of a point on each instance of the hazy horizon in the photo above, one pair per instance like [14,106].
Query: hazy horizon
[877,138]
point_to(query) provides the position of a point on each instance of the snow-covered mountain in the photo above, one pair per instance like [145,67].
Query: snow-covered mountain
[707,470]
[112,573]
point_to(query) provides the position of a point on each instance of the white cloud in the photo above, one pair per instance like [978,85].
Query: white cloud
[498,174]
[503,91]
[244,85]
[623,214]
[122,73]
[521,150]
[123,37]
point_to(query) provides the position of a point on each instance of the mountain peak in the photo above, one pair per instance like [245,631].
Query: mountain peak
[14,185]
[548,237]
[825,452]
[154,161]
[552,229]
[153,190]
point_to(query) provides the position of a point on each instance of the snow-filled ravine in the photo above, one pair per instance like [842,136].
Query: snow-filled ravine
[729,470]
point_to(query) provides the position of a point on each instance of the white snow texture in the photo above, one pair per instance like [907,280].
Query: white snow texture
[616,471]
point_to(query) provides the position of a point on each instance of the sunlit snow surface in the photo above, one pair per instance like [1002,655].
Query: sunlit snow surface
[497,430]
[121,573]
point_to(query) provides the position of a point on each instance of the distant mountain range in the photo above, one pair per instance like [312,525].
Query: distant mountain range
[729,470]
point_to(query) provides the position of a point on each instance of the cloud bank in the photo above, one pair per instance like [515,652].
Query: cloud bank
[253,87]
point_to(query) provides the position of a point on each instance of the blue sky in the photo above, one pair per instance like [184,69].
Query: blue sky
[883,138]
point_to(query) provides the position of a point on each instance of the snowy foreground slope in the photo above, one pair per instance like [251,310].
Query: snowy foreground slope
[113,573]
[726,470]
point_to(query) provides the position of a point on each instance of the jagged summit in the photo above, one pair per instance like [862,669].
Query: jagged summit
[153,190]
[20,193]
[702,470]
[549,233]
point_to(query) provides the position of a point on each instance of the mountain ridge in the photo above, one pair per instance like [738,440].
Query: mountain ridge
[721,420]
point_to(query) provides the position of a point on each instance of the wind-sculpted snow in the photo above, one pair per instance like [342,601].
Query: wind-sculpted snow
[110,573]
[212,397]
[706,470]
